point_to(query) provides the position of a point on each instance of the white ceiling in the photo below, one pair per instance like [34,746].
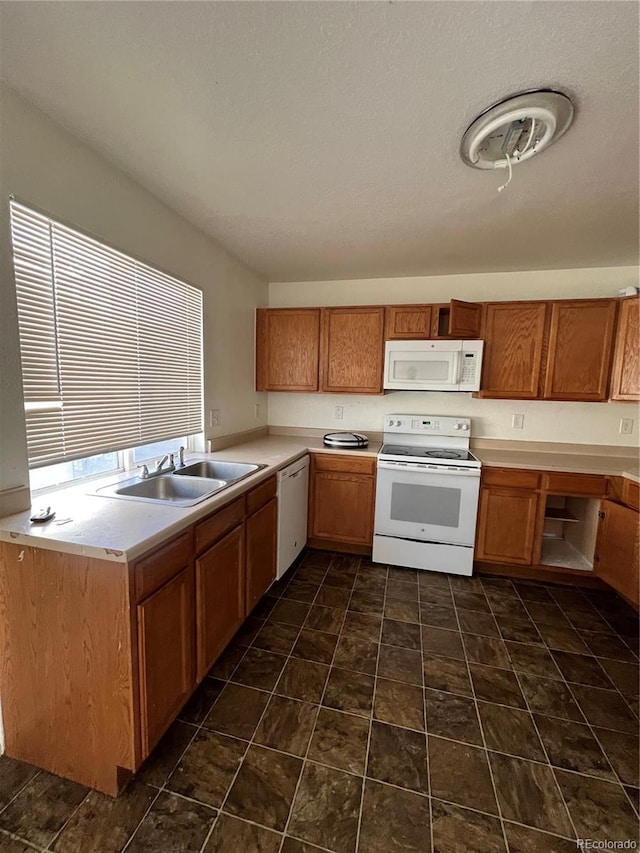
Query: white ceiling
[319,140]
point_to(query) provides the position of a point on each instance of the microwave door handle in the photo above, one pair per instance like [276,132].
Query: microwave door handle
[457,358]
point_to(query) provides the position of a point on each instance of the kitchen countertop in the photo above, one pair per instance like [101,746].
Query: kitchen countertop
[121,530]
[577,462]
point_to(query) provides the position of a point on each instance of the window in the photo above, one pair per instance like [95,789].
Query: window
[111,348]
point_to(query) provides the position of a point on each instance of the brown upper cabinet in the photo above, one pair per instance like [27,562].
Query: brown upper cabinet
[421,322]
[407,322]
[580,345]
[625,378]
[513,335]
[352,347]
[287,349]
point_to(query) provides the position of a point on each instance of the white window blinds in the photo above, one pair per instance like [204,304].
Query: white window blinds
[111,348]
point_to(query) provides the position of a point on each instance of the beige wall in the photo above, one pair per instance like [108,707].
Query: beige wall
[43,165]
[582,423]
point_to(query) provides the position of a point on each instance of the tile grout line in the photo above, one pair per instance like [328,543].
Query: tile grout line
[324,690]
[481,727]
[593,734]
[424,717]
[373,703]
[271,693]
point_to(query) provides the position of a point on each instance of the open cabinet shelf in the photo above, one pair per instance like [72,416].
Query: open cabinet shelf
[558,514]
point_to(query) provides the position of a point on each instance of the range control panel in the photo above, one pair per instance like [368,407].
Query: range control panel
[427,425]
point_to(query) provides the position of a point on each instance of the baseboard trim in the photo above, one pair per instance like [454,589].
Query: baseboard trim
[336,545]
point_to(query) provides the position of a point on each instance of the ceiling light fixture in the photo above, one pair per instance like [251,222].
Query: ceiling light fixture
[515,129]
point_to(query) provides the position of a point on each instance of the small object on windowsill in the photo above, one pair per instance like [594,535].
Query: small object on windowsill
[42,515]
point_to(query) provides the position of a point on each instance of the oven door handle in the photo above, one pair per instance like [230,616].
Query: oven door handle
[428,469]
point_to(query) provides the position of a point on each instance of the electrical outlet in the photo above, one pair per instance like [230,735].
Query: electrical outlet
[626,426]
[338,412]
[517,422]
[214,417]
[257,410]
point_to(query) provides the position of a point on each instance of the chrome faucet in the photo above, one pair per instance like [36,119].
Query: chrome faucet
[168,457]
[160,469]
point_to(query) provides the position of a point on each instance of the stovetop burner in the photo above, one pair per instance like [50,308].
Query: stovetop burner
[415,452]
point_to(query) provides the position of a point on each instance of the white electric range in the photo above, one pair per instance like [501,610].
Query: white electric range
[427,490]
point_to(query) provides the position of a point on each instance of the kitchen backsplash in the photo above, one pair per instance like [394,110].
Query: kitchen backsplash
[577,423]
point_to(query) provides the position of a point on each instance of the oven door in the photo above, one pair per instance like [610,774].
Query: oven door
[427,504]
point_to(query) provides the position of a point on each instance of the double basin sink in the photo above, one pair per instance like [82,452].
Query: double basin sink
[184,486]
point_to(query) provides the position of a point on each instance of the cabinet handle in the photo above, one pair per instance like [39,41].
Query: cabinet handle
[601,514]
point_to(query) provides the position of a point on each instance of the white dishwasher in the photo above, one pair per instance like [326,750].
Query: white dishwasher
[293,496]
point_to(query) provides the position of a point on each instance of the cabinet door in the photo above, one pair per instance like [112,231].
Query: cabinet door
[617,548]
[220,596]
[166,655]
[287,349]
[341,507]
[408,322]
[352,350]
[580,342]
[464,319]
[261,533]
[507,526]
[514,338]
[625,378]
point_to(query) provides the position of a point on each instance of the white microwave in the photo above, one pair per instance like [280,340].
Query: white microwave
[432,365]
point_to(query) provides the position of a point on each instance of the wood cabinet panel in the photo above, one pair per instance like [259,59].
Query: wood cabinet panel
[625,377]
[216,525]
[261,494]
[580,343]
[66,668]
[220,597]
[511,478]
[507,523]
[166,655]
[514,346]
[464,319]
[287,349]
[617,549]
[341,507]
[261,541]
[589,485]
[347,464]
[158,567]
[410,322]
[352,346]
[630,493]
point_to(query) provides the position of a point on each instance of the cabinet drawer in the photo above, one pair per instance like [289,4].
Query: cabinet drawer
[152,571]
[512,478]
[260,495]
[345,464]
[215,526]
[631,493]
[592,485]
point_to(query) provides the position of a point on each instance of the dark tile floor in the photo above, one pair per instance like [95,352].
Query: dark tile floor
[379,710]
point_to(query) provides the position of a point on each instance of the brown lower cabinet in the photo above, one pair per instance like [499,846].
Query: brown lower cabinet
[220,589]
[508,516]
[617,560]
[98,657]
[341,502]
[560,526]
[165,648]
[262,543]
